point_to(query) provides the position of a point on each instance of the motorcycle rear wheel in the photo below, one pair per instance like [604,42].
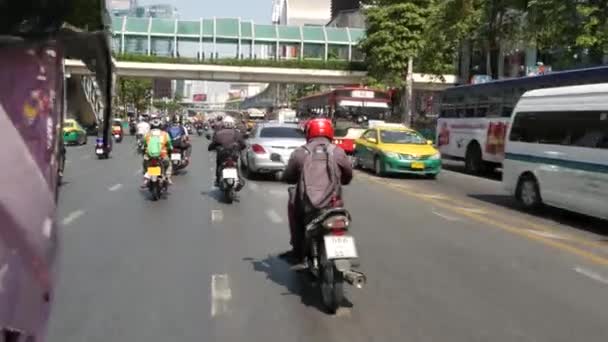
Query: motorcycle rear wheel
[332,285]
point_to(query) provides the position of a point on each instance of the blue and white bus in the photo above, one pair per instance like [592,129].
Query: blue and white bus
[473,119]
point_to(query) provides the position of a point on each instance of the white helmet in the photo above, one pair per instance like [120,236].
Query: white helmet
[228,122]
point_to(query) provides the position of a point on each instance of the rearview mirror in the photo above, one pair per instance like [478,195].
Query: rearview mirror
[429,142]
[372,140]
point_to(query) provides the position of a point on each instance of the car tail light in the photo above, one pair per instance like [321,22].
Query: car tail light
[258,149]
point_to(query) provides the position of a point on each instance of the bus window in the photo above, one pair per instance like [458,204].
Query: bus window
[469,112]
[582,129]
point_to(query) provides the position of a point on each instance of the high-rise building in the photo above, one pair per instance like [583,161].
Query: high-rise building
[122,7]
[301,12]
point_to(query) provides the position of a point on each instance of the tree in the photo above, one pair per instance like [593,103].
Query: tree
[395,36]
[297,91]
[135,92]
[171,107]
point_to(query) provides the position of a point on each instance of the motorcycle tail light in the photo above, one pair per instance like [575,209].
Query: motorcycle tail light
[336,223]
[153,162]
[229,163]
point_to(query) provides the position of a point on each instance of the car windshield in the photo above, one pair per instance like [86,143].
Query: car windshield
[68,124]
[281,132]
[401,137]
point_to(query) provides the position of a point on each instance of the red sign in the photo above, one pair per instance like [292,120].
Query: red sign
[199,97]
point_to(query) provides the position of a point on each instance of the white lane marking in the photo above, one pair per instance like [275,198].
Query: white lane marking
[73,216]
[546,234]
[217,216]
[254,186]
[446,217]
[115,187]
[273,216]
[591,274]
[220,294]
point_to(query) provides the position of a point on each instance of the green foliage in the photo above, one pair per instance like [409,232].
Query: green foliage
[290,63]
[297,91]
[395,33]
[85,14]
[172,106]
[135,92]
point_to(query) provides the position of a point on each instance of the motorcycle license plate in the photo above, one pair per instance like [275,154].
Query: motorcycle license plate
[340,247]
[154,171]
[417,165]
[229,173]
[99,151]
[176,156]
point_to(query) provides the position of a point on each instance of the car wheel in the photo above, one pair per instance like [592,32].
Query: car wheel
[528,192]
[378,167]
[80,140]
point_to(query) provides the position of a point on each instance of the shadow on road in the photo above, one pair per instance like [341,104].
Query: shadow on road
[560,216]
[456,166]
[298,283]
[217,195]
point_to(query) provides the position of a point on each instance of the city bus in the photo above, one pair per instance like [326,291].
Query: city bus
[473,119]
[349,108]
[557,149]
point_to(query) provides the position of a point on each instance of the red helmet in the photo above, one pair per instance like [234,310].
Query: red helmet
[319,128]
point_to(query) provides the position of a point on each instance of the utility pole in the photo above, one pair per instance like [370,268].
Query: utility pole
[406,116]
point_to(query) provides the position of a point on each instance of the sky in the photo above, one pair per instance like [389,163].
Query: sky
[258,10]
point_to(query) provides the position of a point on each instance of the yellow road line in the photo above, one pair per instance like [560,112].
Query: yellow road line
[536,226]
[504,226]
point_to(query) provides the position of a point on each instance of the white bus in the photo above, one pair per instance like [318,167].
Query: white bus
[473,119]
[557,149]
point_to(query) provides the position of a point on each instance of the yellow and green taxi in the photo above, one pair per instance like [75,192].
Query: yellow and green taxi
[73,133]
[397,149]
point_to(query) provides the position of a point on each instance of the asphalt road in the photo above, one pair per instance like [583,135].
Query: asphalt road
[446,260]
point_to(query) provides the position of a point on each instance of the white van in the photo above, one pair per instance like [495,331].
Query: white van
[557,149]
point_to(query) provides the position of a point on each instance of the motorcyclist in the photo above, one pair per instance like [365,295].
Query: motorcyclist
[166,148]
[226,141]
[218,124]
[179,136]
[143,127]
[319,133]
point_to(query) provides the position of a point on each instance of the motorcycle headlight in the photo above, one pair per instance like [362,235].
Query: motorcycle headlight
[392,155]
[436,156]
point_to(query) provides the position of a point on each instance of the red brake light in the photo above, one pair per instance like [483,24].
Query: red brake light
[258,149]
[336,223]
[153,162]
[338,231]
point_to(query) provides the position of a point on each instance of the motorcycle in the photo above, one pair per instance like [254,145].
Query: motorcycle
[229,181]
[329,251]
[157,183]
[140,145]
[178,159]
[101,150]
[117,134]
[178,155]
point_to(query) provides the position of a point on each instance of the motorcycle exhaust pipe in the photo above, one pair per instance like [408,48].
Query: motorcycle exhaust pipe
[356,279]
